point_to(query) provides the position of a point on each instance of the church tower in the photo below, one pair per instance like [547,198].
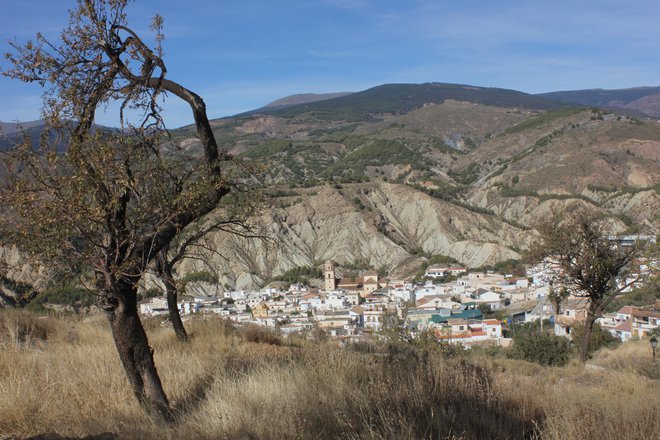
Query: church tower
[329,272]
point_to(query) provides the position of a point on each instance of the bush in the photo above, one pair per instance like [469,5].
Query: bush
[65,295]
[260,335]
[640,296]
[300,274]
[426,341]
[543,348]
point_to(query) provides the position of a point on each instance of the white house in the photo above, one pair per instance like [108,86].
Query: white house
[493,299]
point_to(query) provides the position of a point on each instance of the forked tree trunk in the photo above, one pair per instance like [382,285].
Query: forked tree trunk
[134,351]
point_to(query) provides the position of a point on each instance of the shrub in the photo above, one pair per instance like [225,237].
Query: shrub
[201,276]
[301,274]
[64,295]
[597,339]
[19,327]
[259,335]
[541,347]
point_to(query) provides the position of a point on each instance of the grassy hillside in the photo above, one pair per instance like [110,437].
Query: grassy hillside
[64,376]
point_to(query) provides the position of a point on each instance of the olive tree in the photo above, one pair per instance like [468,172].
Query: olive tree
[113,201]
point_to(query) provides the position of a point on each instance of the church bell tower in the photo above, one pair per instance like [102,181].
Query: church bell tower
[329,273]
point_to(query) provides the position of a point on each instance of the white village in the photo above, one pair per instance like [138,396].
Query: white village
[472,309]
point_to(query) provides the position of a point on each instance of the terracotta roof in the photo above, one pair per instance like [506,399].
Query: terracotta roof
[625,326]
[492,321]
[638,312]
[422,301]
[350,281]
[641,313]
[625,310]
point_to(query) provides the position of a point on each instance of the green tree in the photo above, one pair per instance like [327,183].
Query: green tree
[594,265]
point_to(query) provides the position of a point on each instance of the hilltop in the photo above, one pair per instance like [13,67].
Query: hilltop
[402,98]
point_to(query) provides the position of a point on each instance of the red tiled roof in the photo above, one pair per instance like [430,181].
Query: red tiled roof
[422,301]
[625,326]
[350,281]
[638,312]
[625,310]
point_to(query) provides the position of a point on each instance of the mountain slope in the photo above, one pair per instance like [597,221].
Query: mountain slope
[403,98]
[303,98]
[384,178]
[642,99]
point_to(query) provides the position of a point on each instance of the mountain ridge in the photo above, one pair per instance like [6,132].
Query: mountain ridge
[645,99]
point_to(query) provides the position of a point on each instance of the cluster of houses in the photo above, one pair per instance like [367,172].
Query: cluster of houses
[352,308]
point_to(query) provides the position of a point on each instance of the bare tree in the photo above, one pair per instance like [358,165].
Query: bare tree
[112,202]
[593,264]
[188,245]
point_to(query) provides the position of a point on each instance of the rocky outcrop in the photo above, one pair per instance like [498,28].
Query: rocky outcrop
[18,268]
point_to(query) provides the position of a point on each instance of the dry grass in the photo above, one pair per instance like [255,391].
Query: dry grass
[64,376]
[634,357]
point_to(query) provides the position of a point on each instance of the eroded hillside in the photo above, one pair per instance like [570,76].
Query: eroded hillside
[457,178]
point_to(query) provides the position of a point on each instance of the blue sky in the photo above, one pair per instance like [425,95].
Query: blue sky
[240,55]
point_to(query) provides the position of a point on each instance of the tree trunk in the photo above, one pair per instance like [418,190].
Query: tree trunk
[172,306]
[164,270]
[586,335]
[134,351]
